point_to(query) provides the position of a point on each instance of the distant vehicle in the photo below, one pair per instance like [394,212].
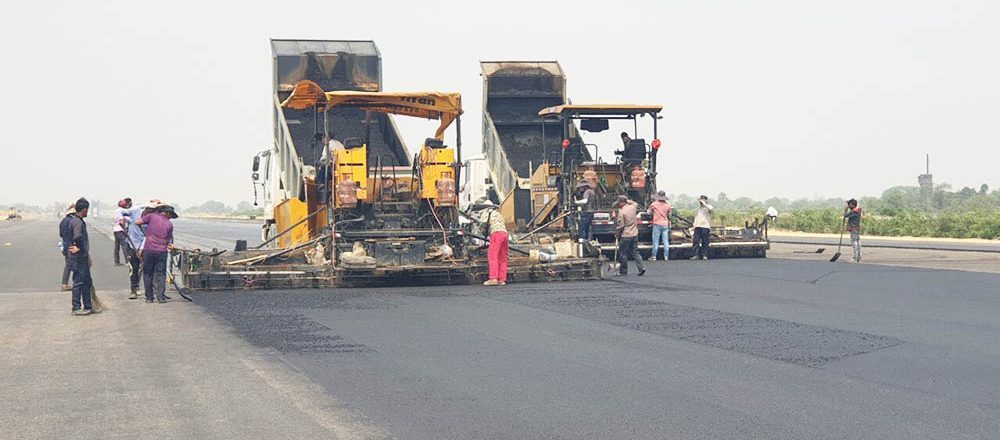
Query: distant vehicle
[12,214]
[476,182]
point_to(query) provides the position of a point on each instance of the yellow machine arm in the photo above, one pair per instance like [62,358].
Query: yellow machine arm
[430,105]
[437,164]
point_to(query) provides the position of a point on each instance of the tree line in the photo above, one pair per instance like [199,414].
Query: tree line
[898,211]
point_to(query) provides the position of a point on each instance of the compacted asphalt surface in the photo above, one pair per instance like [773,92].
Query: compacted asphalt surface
[742,349]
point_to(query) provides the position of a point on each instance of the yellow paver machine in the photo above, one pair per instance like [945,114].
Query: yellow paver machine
[352,208]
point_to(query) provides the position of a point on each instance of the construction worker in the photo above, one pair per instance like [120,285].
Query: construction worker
[63,247]
[660,210]
[119,229]
[627,220]
[702,229]
[852,213]
[155,251]
[586,199]
[495,229]
[77,242]
[135,235]
[625,140]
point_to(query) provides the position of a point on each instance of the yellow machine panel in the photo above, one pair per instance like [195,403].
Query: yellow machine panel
[286,214]
[305,218]
[350,168]
[438,174]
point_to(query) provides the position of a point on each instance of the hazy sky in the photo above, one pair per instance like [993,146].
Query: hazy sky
[761,98]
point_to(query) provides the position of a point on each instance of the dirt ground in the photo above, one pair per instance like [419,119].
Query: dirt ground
[928,259]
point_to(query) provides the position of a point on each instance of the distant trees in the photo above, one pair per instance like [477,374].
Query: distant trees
[211,207]
[900,210]
[903,210]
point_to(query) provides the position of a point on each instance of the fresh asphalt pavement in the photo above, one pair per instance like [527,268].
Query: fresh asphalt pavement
[761,348]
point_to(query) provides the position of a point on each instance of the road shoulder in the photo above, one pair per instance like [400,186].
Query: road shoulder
[151,371]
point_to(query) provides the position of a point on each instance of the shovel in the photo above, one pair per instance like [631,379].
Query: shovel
[839,243]
[613,265]
[184,292]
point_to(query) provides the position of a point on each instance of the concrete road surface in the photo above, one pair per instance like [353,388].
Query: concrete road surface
[163,371]
[740,349]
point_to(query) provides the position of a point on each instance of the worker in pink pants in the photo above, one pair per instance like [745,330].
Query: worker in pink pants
[494,227]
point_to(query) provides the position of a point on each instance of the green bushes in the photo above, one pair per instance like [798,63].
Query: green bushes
[971,224]
[824,220]
[948,224]
[899,211]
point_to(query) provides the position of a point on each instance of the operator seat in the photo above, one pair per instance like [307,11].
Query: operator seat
[635,153]
[352,143]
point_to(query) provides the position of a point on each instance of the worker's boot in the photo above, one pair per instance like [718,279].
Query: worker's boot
[134,294]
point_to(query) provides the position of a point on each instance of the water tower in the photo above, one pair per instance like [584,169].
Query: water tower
[926,180]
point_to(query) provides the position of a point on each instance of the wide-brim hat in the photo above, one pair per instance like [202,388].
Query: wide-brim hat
[584,183]
[167,209]
[159,206]
[660,197]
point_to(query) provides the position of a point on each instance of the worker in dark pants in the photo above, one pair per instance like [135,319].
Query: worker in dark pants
[702,229]
[628,235]
[119,229]
[78,246]
[134,238]
[586,199]
[63,247]
[155,251]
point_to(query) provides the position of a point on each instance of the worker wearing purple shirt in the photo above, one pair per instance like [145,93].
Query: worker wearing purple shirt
[156,249]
